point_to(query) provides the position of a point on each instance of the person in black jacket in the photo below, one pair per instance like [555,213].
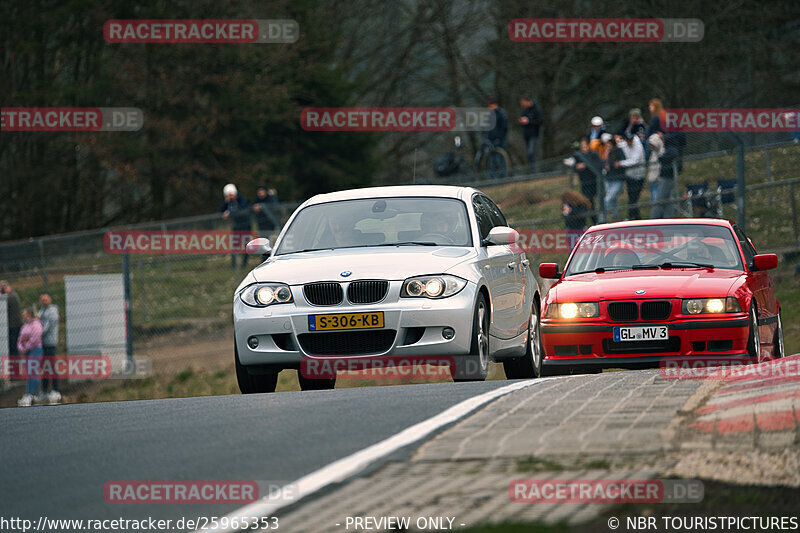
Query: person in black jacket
[531,120]
[266,217]
[615,174]
[234,208]
[589,167]
[574,208]
[497,135]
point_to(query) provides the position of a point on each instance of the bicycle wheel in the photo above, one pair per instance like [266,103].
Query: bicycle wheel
[498,163]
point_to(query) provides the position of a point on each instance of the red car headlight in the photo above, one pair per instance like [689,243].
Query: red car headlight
[697,306]
[570,310]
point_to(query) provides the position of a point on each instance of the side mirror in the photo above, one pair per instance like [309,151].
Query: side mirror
[502,235]
[258,247]
[765,261]
[549,271]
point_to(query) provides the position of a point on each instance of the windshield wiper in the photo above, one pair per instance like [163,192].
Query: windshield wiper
[642,267]
[306,250]
[409,243]
[600,270]
[682,264]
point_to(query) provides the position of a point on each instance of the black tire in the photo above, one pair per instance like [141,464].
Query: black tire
[529,365]
[251,383]
[503,161]
[780,349]
[754,339]
[475,366]
[315,384]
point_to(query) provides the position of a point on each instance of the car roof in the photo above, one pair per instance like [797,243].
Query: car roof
[662,221]
[440,191]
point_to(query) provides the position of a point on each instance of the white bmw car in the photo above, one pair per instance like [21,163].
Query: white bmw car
[388,271]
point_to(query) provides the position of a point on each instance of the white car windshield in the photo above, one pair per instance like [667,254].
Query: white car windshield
[378,222]
[660,246]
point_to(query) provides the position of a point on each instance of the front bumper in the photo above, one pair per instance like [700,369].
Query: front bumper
[417,323]
[593,343]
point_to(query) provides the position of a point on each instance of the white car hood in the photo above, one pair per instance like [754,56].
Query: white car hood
[390,263]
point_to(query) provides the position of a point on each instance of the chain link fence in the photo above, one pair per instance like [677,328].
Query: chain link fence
[173,312]
[150,314]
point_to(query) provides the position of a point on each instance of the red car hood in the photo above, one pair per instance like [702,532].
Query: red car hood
[621,285]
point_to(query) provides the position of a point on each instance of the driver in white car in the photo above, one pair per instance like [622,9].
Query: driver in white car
[440,223]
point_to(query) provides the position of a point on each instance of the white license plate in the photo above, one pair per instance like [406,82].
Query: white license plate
[641,333]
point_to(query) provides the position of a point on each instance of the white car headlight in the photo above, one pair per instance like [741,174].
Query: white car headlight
[264,294]
[440,286]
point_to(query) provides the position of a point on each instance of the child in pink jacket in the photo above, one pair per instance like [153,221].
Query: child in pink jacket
[30,345]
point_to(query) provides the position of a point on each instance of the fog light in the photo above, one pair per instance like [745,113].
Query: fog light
[448,333]
[252,342]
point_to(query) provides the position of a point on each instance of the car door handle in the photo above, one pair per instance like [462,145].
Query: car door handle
[512,265]
[526,263]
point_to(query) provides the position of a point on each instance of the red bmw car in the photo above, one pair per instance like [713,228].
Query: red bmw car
[633,294]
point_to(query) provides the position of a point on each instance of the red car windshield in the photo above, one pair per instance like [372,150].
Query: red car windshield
[661,246]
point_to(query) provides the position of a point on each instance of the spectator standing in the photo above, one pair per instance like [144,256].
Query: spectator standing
[234,208]
[29,344]
[615,173]
[496,137]
[657,118]
[266,200]
[596,132]
[656,145]
[606,141]
[669,162]
[14,316]
[634,165]
[574,208]
[635,125]
[49,317]
[531,120]
[588,167]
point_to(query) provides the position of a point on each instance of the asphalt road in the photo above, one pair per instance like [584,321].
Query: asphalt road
[55,461]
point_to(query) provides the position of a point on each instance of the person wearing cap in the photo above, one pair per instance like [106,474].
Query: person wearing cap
[234,208]
[530,121]
[596,132]
[266,217]
[615,173]
[634,166]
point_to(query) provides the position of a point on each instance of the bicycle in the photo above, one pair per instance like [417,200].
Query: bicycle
[496,163]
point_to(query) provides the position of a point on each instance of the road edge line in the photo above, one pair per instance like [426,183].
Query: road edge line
[344,468]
